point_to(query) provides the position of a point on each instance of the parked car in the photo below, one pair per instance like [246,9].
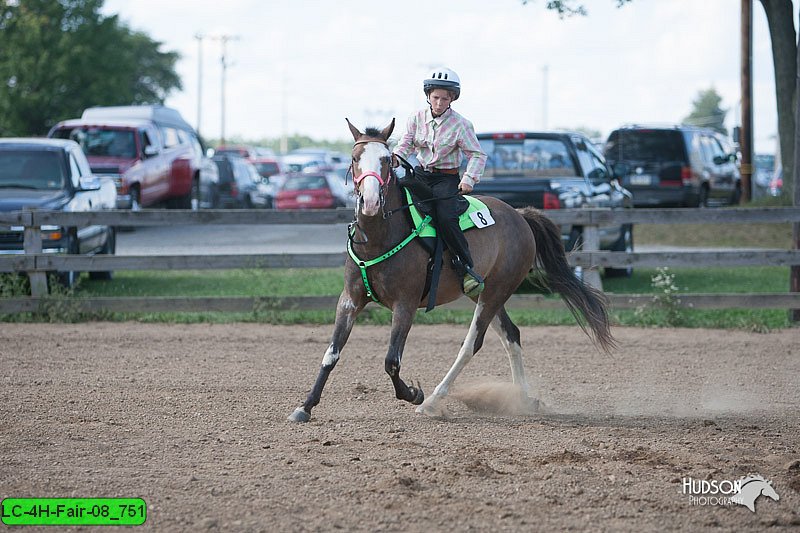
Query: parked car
[555,170]
[241,150]
[151,152]
[207,195]
[681,166]
[767,180]
[238,181]
[268,166]
[55,175]
[314,191]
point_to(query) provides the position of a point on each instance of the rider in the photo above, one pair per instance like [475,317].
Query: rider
[439,136]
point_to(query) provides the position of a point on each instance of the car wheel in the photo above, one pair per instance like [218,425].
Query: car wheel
[623,244]
[194,195]
[110,248]
[136,205]
[69,279]
[574,240]
[702,201]
[736,196]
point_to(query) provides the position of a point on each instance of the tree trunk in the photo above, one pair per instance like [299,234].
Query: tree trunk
[784,58]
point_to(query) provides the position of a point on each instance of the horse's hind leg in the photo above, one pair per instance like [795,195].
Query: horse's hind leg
[346,312]
[481,319]
[402,318]
[510,338]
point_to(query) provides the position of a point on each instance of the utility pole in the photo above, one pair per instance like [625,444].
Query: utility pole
[199,37]
[746,133]
[545,70]
[223,62]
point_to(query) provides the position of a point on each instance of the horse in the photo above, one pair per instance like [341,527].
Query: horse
[504,254]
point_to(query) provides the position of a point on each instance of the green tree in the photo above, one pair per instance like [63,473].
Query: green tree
[59,57]
[706,111]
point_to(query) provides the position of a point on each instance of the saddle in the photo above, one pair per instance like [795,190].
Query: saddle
[472,213]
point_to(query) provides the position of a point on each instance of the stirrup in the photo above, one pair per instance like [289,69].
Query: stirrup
[472,284]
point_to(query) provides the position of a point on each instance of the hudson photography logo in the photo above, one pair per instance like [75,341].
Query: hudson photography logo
[744,491]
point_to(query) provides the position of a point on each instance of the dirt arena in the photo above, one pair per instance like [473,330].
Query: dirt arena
[192,418]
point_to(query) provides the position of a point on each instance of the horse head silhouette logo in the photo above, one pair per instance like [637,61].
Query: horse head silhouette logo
[753,486]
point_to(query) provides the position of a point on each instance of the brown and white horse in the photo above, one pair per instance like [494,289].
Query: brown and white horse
[504,254]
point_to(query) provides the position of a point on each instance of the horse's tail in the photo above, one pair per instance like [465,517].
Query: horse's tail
[587,304]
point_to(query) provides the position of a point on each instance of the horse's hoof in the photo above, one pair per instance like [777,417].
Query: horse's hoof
[299,415]
[418,396]
[432,408]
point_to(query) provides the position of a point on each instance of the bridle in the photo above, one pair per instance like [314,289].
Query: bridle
[383,182]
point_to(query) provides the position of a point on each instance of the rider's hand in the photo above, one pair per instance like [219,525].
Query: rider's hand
[464,188]
[395,161]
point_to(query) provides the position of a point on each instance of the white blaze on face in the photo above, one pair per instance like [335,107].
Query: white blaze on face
[370,160]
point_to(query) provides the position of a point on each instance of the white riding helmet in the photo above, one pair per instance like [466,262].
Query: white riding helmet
[443,78]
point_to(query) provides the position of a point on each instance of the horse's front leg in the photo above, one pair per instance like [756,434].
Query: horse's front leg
[346,313]
[402,318]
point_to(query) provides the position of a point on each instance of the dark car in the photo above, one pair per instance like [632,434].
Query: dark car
[681,166]
[314,191]
[238,182]
[555,170]
[53,174]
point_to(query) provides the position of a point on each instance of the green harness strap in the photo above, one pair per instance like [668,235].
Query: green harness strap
[363,265]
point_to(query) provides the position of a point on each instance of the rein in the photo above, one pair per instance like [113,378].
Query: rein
[363,265]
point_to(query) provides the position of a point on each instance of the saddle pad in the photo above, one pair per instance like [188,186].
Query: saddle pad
[477,215]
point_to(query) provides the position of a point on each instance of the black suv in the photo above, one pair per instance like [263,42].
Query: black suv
[555,170]
[682,166]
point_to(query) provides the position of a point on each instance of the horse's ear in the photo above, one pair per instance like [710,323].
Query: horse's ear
[356,134]
[387,131]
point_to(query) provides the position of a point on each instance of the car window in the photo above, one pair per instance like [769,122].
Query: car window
[267,169]
[298,183]
[170,136]
[74,171]
[591,160]
[31,169]
[706,149]
[102,142]
[535,158]
[645,145]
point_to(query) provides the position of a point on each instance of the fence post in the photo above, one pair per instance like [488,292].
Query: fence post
[32,245]
[591,243]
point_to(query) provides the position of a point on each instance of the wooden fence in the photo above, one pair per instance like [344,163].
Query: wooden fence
[36,264]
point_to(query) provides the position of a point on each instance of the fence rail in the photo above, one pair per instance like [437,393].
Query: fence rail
[36,264]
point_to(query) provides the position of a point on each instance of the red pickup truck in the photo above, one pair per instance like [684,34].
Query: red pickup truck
[151,152]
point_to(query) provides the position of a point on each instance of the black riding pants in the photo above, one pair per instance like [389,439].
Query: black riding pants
[446,212]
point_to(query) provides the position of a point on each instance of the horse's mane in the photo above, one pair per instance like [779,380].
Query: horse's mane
[372,132]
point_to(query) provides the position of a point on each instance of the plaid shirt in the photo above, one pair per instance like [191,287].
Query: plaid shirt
[439,143]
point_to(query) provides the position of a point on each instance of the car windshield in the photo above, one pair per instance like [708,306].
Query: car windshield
[533,158]
[31,169]
[300,183]
[103,142]
[645,145]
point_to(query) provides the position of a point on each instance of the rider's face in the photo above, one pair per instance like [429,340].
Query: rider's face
[440,100]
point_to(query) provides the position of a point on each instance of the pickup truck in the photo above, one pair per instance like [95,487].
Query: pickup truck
[53,174]
[555,170]
[154,156]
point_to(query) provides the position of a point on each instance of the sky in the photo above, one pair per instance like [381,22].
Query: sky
[302,66]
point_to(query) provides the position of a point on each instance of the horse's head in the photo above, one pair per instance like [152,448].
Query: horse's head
[371,167]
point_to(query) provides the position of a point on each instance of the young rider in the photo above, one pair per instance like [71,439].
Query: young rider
[439,136]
